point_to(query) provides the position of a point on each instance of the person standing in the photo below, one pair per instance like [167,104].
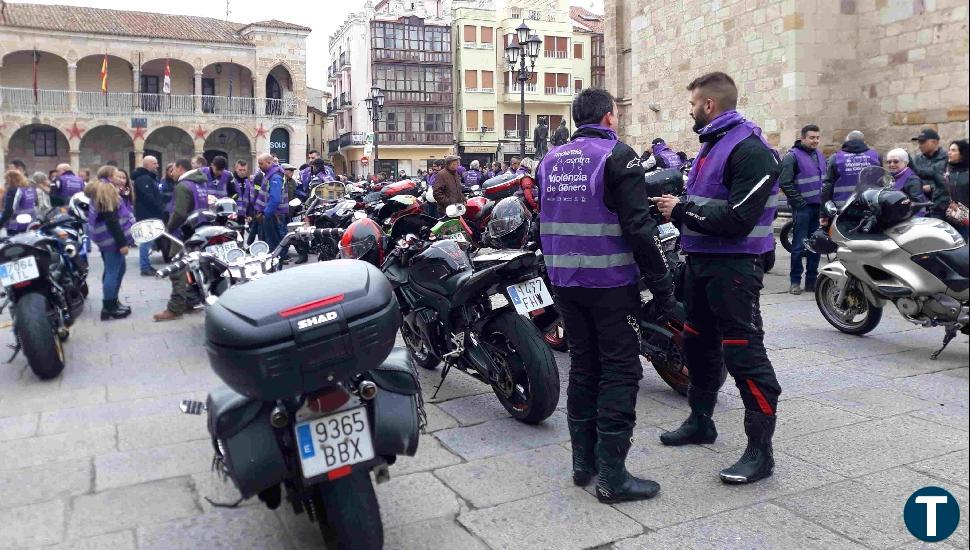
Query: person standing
[65,185]
[561,135]
[957,181]
[447,185]
[18,165]
[190,195]
[598,240]
[842,172]
[513,165]
[149,205]
[20,197]
[218,179]
[726,225]
[800,178]
[110,220]
[473,176]
[271,208]
[897,161]
[42,187]
[930,164]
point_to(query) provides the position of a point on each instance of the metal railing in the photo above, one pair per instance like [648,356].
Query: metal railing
[22,100]
[417,138]
[556,90]
[352,138]
[512,134]
[514,87]
[557,54]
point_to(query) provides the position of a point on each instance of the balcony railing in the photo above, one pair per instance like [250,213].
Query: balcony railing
[343,60]
[529,88]
[555,90]
[418,96]
[416,138]
[352,138]
[413,56]
[557,54]
[333,145]
[124,103]
[513,134]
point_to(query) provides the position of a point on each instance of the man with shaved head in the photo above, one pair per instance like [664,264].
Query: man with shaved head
[65,185]
[148,205]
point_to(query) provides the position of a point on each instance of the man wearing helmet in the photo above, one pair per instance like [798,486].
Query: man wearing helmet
[598,240]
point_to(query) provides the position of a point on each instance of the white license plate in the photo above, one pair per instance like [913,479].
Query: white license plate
[220,250]
[18,271]
[333,441]
[457,237]
[530,296]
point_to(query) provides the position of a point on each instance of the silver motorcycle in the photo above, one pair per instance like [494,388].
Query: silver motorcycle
[886,253]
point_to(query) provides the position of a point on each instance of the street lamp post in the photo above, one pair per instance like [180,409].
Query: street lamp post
[375,106]
[521,57]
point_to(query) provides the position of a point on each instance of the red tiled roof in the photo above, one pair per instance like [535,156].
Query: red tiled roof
[276,23]
[588,21]
[130,23]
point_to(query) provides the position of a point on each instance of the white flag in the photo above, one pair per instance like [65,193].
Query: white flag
[167,82]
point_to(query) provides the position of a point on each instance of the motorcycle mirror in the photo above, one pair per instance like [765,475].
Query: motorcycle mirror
[146,231]
[259,247]
[295,202]
[455,210]
[830,208]
[24,218]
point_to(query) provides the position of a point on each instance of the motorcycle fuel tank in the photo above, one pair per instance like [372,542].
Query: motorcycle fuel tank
[922,235]
[439,266]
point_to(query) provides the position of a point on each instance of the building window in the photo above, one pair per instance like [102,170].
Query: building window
[45,142]
[577,51]
[515,13]
[553,121]
[488,120]
[487,38]
[471,121]
[510,122]
[578,85]
[391,125]
[557,84]
[512,80]
[471,80]
[556,47]
[471,39]
[488,81]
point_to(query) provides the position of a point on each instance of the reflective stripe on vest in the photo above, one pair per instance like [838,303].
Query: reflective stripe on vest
[848,166]
[595,262]
[583,229]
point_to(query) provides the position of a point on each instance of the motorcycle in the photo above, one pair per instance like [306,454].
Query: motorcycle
[44,284]
[885,254]
[315,396]
[471,318]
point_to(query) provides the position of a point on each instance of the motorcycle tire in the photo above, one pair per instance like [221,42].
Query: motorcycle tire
[418,350]
[41,346]
[518,346]
[556,337]
[824,294]
[673,368]
[768,260]
[348,513]
[786,235]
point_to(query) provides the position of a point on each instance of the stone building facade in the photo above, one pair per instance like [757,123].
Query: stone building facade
[236,90]
[886,67]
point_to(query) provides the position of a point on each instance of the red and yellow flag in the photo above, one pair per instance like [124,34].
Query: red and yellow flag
[104,74]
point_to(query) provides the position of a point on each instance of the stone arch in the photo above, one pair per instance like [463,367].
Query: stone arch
[169,144]
[106,144]
[120,72]
[17,71]
[183,75]
[230,142]
[40,146]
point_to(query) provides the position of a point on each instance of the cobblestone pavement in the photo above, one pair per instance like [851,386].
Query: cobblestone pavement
[101,458]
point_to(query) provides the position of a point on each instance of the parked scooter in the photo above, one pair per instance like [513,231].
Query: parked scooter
[886,255]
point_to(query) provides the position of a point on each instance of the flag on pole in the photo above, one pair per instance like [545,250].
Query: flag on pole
[167,82]
[104,74]
[36,61]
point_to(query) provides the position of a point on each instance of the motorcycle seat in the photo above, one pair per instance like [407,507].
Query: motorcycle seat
[486,210]
[473,283]
[229,411]
[396,374]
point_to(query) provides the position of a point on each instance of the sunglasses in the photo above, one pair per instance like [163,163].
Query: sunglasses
[893,161]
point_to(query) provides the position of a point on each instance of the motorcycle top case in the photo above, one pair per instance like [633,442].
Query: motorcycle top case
[302,329]
[501,186]
[403,187]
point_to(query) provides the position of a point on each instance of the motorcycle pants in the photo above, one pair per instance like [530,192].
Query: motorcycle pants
[604,345]
[724,328]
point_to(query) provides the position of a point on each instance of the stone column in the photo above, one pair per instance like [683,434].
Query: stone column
[139,156]
[75,155]
[136,88]
[259,92]
[72,86]
[198,92]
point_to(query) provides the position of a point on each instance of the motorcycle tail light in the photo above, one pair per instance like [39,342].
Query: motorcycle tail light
[339,473]
[21,285]
[219,239]
[327,400]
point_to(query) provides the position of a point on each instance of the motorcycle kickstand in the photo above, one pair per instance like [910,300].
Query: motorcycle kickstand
[951,332]
[16,349]
[444,372]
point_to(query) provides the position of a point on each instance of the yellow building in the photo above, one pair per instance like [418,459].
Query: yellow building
[487,93]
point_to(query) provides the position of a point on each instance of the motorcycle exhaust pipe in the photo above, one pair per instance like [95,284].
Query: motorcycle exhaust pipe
[70,250]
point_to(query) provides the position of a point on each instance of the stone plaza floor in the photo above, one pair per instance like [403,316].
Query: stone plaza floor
[101,458]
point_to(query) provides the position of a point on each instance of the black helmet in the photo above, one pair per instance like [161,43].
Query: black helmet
[363,240]
[665,182]
[510,225]
[820,242]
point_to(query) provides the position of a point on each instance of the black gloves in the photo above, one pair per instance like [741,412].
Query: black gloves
[661,306]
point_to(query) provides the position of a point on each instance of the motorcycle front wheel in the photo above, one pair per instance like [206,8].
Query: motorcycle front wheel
[858,317]
[348,513]
[38,341]
[786,235]
[529,385]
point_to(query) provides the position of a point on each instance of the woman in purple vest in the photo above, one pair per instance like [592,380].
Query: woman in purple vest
[20,198]
[110,219]
[726,225]
[907,181]
[800,177]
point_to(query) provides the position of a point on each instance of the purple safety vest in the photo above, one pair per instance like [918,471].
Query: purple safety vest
[27,204]
[472,177]
[262,196]
[705,186]
[848,166]
[582,241]
[808,178]
[69,185]
[99,229]
[670,158]
[217,188]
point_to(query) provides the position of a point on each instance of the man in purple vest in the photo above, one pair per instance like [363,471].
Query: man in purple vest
[665,157]
[842,173]
[219,182]
[271,203]
[65,185]
[598,240]
[726,225]
[800,177]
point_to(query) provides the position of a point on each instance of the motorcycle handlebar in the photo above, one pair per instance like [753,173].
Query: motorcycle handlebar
[174,267]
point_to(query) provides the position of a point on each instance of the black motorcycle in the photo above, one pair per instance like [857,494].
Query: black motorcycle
[472,319]
[44,284]
[315,398]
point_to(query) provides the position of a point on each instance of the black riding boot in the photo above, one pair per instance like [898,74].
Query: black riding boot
[582,434]
[699,426]
[122,307]
[757,461]
[614,483]
[109,310]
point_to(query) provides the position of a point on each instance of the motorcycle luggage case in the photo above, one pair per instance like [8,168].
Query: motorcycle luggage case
[403,187]
[302,329]
[395,422]
[244,438]
[501,186]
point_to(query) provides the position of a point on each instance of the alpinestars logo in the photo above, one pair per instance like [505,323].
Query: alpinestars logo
[311,322]
[633,163]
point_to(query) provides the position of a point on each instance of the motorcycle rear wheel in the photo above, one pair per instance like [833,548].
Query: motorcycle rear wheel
[825,290]
[786,235]
[41,346]
[531,390]
[348,513]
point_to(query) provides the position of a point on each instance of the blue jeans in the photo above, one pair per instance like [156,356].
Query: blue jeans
[806,223]
[114,272]
[144,252]
[271,230]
